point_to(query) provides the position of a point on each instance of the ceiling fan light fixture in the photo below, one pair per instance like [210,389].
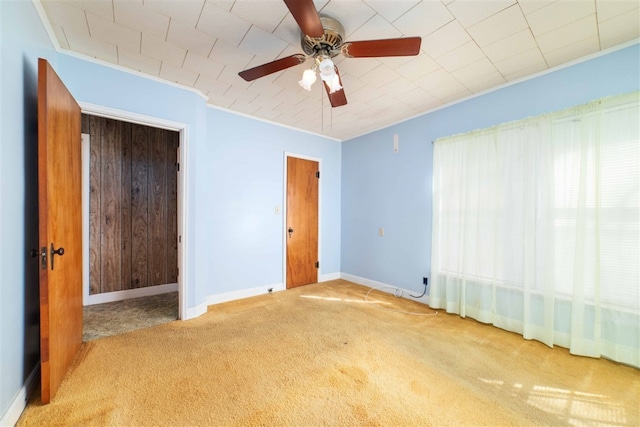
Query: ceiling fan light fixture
[334,84]
[327,70]
[308,79]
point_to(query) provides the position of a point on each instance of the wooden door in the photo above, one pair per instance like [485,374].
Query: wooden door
[302,221]
[60,228]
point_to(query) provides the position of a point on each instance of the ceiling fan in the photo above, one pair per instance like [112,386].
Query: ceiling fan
[323,39]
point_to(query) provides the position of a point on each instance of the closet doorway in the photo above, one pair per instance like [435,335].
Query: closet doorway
[131,174]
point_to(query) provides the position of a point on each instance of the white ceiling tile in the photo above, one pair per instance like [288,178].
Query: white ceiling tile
[103,8]
[137,16]
[461,56]
[111,32]
[60,37]
[524,72]
[266,14]
[474,71]
[485,82]
[139,62]
[288,31]
[240,94]
[266,113]
[559,14]
[358,66]
[244,107]
[221,101]
[418,67]
[608,9]
[573,51]
[159,49]
[531,59]
[66,16]
[497,27]
[395,61]
[230,75]
[190,38]
[445,39]
[351,83]
[177,75]
[185,11]
[261,43]
[222,24]
[470,12]
[374,29]
[201,65]
[351,14]
[450,92]
[423,19]
[419,99]
[437,78]
[91,47]
[581,29]
[211,86]
[380,76]
[398,87]
[232,56]
[620,29]
[266,89]
[365,94]
[510,46]
[391,10]
[529,6]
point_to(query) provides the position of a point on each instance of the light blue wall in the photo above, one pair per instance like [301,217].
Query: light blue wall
[383,189]
[247,183]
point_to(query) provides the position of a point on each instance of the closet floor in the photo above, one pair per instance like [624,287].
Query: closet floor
[114,318]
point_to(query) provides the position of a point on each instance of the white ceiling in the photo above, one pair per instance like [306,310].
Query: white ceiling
[468,46]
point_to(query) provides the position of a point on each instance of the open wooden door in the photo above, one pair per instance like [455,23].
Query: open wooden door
[302,221]
[60,228]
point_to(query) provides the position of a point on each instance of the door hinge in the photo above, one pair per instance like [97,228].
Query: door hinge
[178,167]
[318,174]
[317,264]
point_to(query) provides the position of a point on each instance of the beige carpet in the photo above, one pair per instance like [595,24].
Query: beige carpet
[319,355]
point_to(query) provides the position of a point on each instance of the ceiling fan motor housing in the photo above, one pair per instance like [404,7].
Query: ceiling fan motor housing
[329,44]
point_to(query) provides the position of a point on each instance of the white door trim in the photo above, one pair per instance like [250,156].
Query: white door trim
[183,130]
[284,214]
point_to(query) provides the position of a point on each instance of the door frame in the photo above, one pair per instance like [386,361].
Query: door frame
[284,214]
[182,210]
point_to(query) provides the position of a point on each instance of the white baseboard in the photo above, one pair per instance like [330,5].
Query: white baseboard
[327,277]
[383,287]
[132,293]
[10,418]
[200,309]
[244,293]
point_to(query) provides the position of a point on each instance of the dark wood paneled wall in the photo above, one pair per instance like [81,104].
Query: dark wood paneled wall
[133,229]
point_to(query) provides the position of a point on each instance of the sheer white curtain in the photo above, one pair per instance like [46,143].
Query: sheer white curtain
[536,228]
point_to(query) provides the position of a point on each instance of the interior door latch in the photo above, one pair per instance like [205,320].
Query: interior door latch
[43,258]
[59,251]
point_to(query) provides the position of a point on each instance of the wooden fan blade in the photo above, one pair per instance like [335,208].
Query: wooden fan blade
[408,46]
[272,67]
[337,98]
[306,15]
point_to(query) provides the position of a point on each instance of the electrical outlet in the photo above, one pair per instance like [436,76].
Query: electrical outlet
[381,231]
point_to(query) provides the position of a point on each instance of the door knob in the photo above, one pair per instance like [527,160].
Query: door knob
[59,251]
[290,231]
